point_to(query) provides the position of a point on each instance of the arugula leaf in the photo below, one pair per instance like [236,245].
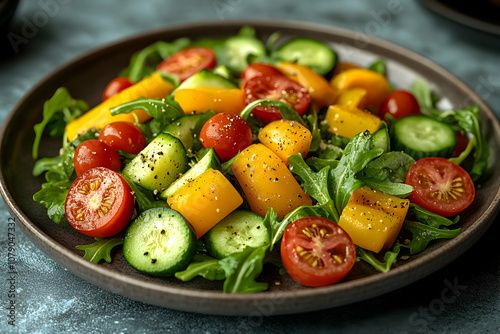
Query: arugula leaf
[101,249]
[242,268]
[57,111]
[144,198]
[204,266]
[164,111]
[145,61]
[429,218]
[387,173]
[53,196]
[378,66]
[390,257]
[285,110]
[343,180]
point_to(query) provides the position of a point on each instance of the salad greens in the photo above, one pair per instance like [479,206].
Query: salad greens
[336,167]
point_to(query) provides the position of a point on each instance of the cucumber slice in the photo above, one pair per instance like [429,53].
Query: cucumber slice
[209,160]
[238,49]
[309,52]
[159,242]
[158,164]
[187,128]
[422,136]
[232,234]
[206,78]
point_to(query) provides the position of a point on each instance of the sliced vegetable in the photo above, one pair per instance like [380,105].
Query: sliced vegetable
[241,228]
[159,242]
[99,203]
[152,87]
[201,99]
[373,219]
[158,164]
[286,138]
[237,50]
[422,136]
[206,200]
[440,186]
[317,252]
[267,182]
[187,129]
[349,121]
[188,61]
[308,52]
[318,87]
[354,97]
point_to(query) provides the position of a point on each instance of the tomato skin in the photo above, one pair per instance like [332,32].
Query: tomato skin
[188,61]
[259,69]
[299,250]
[434,181]
[115,86]
[227,134]
[461,145]
[94,153]
[123,136]
[275,87]
[399,103]
[99,203]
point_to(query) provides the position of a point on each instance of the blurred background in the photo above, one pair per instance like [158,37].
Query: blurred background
[41,35]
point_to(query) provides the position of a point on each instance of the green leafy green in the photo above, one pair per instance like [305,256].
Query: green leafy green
[57,112]
[429,218]
[164,111]
[378,66]
[242,269]
[101,249]
[202,265]
[144,198]
[53,196]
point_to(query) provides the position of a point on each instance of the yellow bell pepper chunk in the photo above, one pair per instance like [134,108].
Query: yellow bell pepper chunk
[200,99]
[206,200]
[349,121]
[285,138]
[355,97]
[267,182]
[151,87]
[375,84]
[318,87]
[373,219]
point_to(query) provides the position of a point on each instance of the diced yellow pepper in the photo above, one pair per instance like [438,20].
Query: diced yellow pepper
[355,97]
[318,87]
[206,200]
[375,84]
[200,99]
[151,87]
[267,182]
[285,138]
[349,121]
[373,219]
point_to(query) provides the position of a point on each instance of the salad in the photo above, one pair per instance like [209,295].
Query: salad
[215,157]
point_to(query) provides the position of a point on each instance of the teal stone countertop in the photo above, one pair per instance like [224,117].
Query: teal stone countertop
[50,299]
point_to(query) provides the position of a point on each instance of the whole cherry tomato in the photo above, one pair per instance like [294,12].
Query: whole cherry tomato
[399,103]
[115,86]
[123,136]
[94,153]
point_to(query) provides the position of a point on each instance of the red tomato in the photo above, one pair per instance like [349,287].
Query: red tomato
[399,103]
[259,69]
[275,87]
[227,134]
[440,186]
[94,153]
[316,252]
[461,145]
[188,61]
[99,203]
[115,86]
[123,136]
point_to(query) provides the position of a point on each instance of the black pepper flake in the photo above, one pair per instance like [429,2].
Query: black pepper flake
[153,260]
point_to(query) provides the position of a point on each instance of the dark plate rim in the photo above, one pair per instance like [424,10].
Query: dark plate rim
[359,289]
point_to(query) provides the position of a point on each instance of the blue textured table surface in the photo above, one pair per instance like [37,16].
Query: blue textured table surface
[50,299]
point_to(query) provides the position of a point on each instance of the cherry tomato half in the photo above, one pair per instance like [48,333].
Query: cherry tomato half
[94,153]
[317,252]
[115,86]
[275,87]
[227,134]
[399,103]
[187,62]
[123,136]
[99,203]
[259,69]
[440,186]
